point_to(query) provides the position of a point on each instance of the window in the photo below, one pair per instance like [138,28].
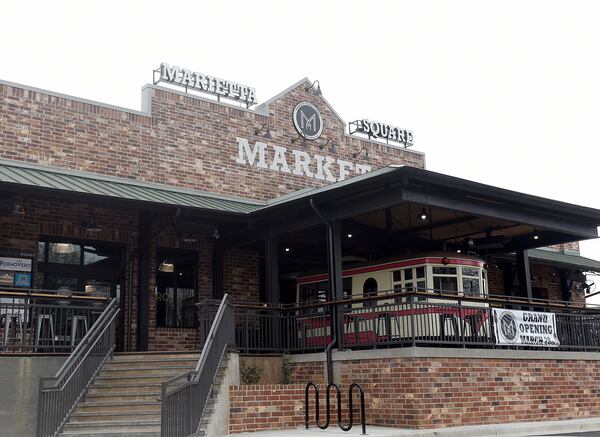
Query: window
[176,288]
[92,267]
[410,279]
[445,279]
[370,288]
[470,281]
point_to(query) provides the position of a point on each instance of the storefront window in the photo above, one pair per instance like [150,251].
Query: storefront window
[176,288]
[79,266]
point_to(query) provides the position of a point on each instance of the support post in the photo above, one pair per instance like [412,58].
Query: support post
[217,272]
[334,256]
[524,274]
[144,239]
[272,293]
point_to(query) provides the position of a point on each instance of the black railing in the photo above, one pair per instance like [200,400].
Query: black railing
[325,425]
[400,319]
[58,395]
[184,398]
[33,322]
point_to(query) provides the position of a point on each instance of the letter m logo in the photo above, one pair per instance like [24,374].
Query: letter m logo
[308,123]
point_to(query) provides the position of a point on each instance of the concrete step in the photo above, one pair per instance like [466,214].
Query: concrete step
[117,406]
[116,390]
[112,417]
[129,380]
[167,372]
[71,426]
[102,397]
[154,363]
[154,356]
[115,431]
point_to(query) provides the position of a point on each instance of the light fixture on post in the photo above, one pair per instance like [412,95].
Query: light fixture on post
[267,134]
[166,266]
[332,148]
[297,138]
[91,227]
[362,149]
[18,209]
[316,91]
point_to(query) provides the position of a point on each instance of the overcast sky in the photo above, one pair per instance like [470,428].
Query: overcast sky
[506,93]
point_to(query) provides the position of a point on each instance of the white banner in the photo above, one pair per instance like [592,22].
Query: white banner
[15,264]
[525,328]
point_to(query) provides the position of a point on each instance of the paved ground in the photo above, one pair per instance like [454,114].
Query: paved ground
[575,434]
[564,428]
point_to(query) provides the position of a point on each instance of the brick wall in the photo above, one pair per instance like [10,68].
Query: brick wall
[264,407]
[314,371]
[544,277]
[183,141]
[65,219]
[439,392]
[422,393]
[275,406]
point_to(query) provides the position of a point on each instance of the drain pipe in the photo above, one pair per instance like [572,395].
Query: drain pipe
[331,269]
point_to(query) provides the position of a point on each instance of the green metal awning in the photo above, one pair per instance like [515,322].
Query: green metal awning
[565,260]
[62,180]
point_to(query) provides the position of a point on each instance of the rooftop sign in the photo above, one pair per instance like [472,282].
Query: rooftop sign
[376,129]
[189,79]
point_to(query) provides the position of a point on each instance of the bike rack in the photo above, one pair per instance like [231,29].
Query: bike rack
[339,406]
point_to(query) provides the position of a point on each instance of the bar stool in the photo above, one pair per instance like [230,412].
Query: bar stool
[40,322]
[75,322]
[14,316]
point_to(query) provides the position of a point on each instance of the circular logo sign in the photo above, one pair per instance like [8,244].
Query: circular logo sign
[508,326]
[308,121]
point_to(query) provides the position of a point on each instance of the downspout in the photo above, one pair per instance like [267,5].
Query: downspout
[331,268]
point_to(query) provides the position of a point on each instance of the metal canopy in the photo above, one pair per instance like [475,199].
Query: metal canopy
[66,181]
[388,199]
[460,208]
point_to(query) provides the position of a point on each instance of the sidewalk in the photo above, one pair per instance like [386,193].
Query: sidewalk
[563,428]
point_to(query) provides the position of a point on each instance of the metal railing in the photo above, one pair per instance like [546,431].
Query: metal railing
[184,397]
[400,319]
[58,395]
[33,322]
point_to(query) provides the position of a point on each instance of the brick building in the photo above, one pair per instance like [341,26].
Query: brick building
[194,197]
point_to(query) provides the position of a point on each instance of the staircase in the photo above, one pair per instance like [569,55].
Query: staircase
[124,399]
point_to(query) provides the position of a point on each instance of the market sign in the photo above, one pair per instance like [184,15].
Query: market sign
[525,328]
[189,79]
[15,264]
[307,120]
[297,162]
[376,130]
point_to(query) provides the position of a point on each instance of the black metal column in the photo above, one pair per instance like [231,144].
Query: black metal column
[144,239]
[217,272]
[524,274]
[336,287]
[272,292]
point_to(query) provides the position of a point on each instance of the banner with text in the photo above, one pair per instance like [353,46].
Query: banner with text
[525,328]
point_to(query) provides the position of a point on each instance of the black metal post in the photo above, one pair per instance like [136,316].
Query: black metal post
[144,239]
[272,271]
[217,272]
[524,274]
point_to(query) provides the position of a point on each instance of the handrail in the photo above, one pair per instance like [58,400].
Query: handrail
[58,395]
[183,405]
[429,293]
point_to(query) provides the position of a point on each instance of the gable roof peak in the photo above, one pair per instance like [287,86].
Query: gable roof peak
[264,107]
